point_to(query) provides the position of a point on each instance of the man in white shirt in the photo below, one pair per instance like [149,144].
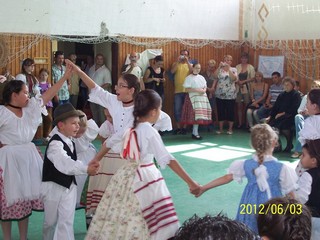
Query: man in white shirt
[101,76]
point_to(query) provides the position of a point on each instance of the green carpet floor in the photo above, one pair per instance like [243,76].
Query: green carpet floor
[204,160]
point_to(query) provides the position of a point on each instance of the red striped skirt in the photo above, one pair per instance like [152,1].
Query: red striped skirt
[198,112]
[109,165]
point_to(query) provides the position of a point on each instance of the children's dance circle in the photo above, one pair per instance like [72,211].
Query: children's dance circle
[120,184]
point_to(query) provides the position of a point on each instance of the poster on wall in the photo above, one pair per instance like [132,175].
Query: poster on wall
[269,64]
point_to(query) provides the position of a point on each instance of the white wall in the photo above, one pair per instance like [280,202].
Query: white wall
[202,19]
[287,19]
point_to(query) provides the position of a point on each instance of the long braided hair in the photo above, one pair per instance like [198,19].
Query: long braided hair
[144,102]
[262,139]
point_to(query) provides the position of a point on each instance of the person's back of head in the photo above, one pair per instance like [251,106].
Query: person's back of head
[217,227]
[289,220]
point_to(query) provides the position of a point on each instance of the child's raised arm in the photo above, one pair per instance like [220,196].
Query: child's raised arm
[215,183]
[52,91]
[84,77]
[178,169]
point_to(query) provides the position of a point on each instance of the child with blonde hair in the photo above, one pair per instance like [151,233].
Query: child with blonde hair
[267,177]
[86,151]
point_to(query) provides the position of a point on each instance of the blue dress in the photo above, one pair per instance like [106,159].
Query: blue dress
[252,196]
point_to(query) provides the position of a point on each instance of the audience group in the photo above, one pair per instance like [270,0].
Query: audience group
[78,104]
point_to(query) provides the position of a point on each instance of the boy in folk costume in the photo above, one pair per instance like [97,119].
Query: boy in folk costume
[59,186]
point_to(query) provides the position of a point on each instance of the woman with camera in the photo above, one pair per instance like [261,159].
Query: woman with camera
[225,92]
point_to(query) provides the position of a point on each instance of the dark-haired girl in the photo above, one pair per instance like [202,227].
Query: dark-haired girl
[20,162]
[28,77]
[120,106]
[137,203]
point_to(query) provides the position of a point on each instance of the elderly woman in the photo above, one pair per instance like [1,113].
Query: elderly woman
[284,110]
[225,91]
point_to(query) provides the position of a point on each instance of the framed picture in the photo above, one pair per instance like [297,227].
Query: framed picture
[269,64]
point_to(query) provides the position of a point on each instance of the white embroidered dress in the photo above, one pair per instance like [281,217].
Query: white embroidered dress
[137,203]
[20,161]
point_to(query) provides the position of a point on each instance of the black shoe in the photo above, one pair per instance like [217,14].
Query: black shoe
[288,148]
[183,131]
[176,131]
[198,137]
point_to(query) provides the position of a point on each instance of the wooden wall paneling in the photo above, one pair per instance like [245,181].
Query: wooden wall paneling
[310,53]
[41,49]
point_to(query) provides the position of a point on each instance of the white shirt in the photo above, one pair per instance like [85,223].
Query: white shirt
[303,104]
[310,130]
[100,76]
[288,177]
[122,116]
[304,187]
[21,77]
[137,71]
[60,159]
[195,81]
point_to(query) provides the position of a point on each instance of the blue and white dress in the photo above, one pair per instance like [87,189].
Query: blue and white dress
[280,180]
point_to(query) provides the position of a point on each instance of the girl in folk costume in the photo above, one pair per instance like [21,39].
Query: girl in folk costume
[137,203]
[20,162]
[267,178]
[196,109]
[28,78]
[120,107]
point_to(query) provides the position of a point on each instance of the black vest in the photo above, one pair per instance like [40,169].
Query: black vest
[314,198]
[51,174]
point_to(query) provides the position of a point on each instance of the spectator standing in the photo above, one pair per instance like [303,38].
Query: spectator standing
[225,91]
[74,84]
[134,68]
[58,70]
[27,76]
[246,74]
[208,74]
[44,86]
[154,77]
[101,75]
[83,88]
[181,69]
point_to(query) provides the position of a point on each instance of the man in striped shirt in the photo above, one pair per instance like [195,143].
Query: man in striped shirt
[275,89]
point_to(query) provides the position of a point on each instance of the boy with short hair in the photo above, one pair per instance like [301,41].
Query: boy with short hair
[59,186]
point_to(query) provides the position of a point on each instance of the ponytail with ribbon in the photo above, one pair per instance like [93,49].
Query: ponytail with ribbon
[131,148]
